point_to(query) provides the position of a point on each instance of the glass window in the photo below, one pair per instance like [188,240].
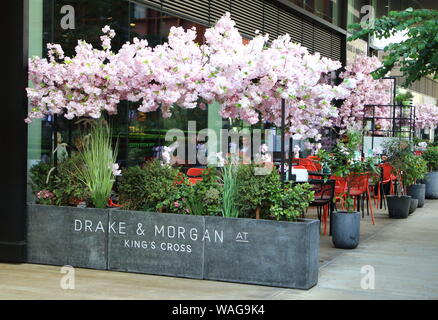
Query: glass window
[140,135]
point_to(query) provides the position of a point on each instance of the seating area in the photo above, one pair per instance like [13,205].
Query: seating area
[330,191]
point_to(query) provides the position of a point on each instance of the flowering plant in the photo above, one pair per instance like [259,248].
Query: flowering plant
[45,197]
[426,116]
[248,80]
[368,91]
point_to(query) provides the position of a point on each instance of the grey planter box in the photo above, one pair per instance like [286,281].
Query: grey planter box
[281,254]
[67,236]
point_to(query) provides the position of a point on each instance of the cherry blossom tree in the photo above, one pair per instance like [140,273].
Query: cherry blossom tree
[426,116]
[368,91]
[248,80]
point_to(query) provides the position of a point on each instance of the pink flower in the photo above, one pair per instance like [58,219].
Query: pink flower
[176,204]
[45,194]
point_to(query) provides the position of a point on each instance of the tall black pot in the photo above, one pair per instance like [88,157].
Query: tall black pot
[418,191]
[432,185]
[413,206]
[346,229]
[398,206]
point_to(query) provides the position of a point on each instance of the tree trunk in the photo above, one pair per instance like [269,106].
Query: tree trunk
[258,213]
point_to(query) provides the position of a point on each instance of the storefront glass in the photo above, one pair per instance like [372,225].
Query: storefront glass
[139,135]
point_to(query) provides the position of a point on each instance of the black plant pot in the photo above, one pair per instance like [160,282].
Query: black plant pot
[398,206]
[346,229]
[413,206]
[418,191]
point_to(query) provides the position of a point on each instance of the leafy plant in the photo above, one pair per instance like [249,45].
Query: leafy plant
[61,185]
[39,177]
[68,188]
[98,158]
[399,153]
[144,188]
[415,169]
[431,157]
[256,191]
[404,98]
[293,202]
[418,53]
[343,163]
[202,198]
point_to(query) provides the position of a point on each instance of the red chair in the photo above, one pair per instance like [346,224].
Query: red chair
[195,175]
[195,172]
[340,189]
[387,178]
[309,165]
[359,188]
[323,201]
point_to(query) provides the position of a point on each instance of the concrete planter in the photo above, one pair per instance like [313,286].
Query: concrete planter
[432,185]
[283,254]
[346,229]
[56,237]
[418,191]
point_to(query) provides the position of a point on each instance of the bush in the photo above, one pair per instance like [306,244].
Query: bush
[144,188]
[203,198]
[291,204]
[255,191]
[68,188]
[431,157]
[415,169]
[39,174]
[61,184]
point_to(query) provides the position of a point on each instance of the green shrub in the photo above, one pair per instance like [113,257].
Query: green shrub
[39,177]
[431,156]
[63,182]
[67,187]
[203,198]
[145,188]
[255,191]
[291,204]
[415,169]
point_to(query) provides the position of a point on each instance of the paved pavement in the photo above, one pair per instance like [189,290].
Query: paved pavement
[402,253]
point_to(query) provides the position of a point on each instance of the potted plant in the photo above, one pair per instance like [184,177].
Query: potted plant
[415,170]
[431,156]
[346,224]
[398,152]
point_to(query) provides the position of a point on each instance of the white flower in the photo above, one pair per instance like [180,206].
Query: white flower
[115,169]
[264,148]
[422,144]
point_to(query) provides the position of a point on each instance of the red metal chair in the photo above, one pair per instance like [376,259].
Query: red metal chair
[309,165]
[359,188]
[387,178]
[340,189]
[324,194]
